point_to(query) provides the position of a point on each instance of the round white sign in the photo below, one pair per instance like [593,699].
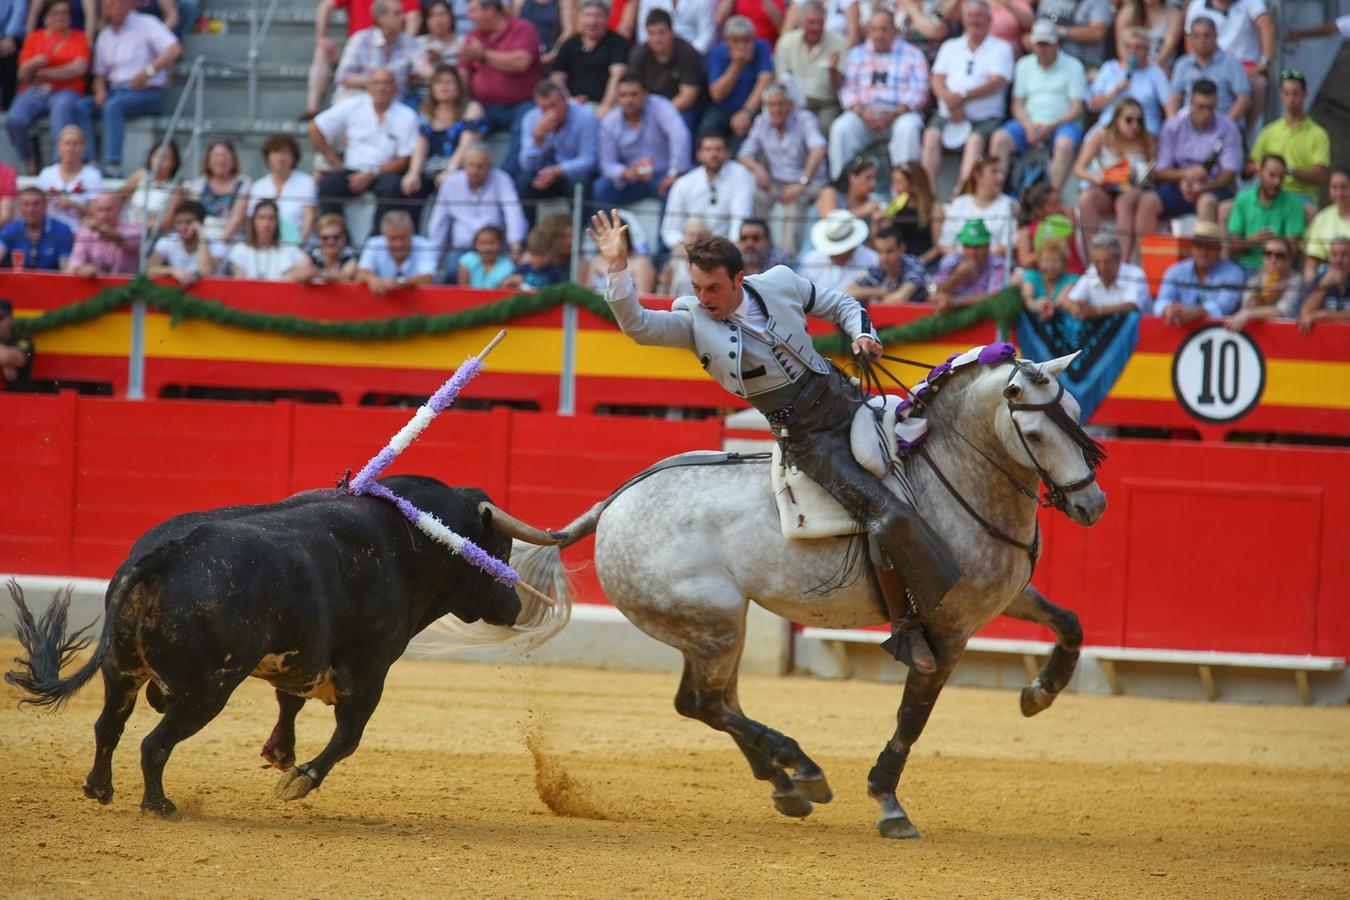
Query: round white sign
[1218,375]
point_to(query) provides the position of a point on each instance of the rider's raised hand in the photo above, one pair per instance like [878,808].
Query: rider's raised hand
[609,232]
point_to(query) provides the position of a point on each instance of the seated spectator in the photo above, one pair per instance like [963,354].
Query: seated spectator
[923,24]
[1199,158]
[980,198]
[1080,25]
[450,123]
[644,147]
[1110,285]
[187,255]
[397,257]
[809,60]
[1047,104]
[973,273]
[720,191]
[383,47]
[842,17]
[765,15]
[469,200]
[675,278]
[1113,162]
[103,246]
[1300,141]
[554,20]
[223,191]
[380,135]
[884,92]
[1275,290]
[484,266]
[51,74]
[132,58]
[1206,284]
[501,65]
[1046,283]
[69,183]
[149,195]
[35,241]
[669,66]
[333,257]
[853,191]
[1261,211]
[326,50]
[1160,21]
[694,20]
[261,256]
[1331,223]
[1206,62]
[559,142]
[294,191]
[755,240]
[839,254]
[590,63]
[1131,76]
[83,18]
[538,267]
[914,211]
[784,151]
[1246,31]
[596,272]
[1047,218]
[898,277]
[16,353]
[1328,297]
[970,79]
[740,67]
[438,47]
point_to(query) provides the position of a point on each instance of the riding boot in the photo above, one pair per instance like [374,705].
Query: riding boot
[907,642]
[922,558]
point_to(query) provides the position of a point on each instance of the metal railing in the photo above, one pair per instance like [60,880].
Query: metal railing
[257,33]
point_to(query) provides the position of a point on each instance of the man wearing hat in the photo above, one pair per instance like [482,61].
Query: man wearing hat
[1048,89]
[16,353]
[971,274]
[838,255]
[751,335]
[1204,285]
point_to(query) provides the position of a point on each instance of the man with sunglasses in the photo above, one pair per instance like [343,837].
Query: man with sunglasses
[1302,143]
[1262,211]
[720,191]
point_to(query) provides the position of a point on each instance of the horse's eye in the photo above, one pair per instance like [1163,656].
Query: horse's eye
[1034,437]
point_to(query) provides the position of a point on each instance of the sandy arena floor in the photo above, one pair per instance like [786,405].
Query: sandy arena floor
[1097,797]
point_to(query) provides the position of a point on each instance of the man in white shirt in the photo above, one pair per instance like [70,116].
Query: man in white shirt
[471,198]
[186,255]
[1245,31]
[809,59]
[397,258]
[1110,286]
[719,191]
[784,151]
[839,255]
[380,136]
[970,79]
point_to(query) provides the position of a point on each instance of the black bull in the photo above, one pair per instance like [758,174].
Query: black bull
[318,595]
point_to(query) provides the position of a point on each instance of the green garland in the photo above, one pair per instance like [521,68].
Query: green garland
[1003,308]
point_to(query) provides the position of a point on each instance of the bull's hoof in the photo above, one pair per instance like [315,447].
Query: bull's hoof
[294,784]
[898,828]
[791,803]
[162,807]
[103,793]
[816,789]
[1036,698]
[276,758]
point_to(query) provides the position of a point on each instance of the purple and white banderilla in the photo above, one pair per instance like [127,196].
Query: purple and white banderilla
[432,527]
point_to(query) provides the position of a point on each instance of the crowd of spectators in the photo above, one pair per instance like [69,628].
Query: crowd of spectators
[813,133]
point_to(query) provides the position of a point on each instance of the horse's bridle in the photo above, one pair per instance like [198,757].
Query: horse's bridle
[1056,496]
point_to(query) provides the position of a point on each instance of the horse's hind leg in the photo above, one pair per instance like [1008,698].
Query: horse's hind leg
[807,777]
[921,693]
[1031,606]
[119,699]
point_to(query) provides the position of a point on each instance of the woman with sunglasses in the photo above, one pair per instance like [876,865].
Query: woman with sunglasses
[1132,75]
[1274,291]
[334,257]
[1112,163]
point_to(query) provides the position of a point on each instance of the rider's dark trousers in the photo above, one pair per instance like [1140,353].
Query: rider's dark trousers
[813,432]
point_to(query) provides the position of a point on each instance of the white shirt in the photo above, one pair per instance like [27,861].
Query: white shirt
[1236,29]
[372,141]
[1130,286]
[967,69]
[376,258]
[267,264]
[296,195]
[721,203]
[818,267]
[691,19]
[1000,218]
[85,186]
[171,249]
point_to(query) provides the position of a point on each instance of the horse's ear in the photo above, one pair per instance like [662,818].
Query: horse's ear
[1012,391]
[1055,366]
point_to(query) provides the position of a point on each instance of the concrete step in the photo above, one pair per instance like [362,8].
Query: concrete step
[281,91]
[278,46]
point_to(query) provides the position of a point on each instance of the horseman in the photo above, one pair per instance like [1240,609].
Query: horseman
[750,335]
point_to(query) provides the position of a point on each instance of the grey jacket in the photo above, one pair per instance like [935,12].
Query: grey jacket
[742,362]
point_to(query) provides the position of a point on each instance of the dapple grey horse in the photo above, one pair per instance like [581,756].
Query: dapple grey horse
[681,551]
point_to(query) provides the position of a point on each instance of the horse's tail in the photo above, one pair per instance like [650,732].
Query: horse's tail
[584,525]
[49,649]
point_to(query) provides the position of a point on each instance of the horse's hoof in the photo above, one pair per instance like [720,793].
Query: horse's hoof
[276,758]
[293,784]
[898,828]
[163,808]
[816,789]
[1036,699]
[103,793]
[792,804]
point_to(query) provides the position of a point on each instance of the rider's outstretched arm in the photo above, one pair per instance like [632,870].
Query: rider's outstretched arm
[646,326]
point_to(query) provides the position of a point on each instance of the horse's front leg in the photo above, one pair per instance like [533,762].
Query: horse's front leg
[921,692]
[1041,691]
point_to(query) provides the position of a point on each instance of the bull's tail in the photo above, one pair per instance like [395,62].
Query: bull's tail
[49,649]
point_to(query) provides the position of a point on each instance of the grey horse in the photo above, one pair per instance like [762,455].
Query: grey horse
[682,551]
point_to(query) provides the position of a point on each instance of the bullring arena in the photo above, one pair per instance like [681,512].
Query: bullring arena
[503,781]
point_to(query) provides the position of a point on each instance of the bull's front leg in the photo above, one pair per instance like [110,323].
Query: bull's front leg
[279,751]
[356,694]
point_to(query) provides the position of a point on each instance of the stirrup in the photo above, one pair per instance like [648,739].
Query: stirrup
[911,648]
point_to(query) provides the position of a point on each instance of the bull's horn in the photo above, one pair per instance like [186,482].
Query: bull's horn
[509,525]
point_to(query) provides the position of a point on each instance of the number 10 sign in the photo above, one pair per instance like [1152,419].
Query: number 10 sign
[1218,375]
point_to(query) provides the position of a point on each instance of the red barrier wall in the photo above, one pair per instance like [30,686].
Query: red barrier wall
[1215,547]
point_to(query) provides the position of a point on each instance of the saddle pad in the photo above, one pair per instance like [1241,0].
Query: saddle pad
[805,510]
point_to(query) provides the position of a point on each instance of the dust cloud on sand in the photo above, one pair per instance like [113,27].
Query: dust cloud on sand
[559,790]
